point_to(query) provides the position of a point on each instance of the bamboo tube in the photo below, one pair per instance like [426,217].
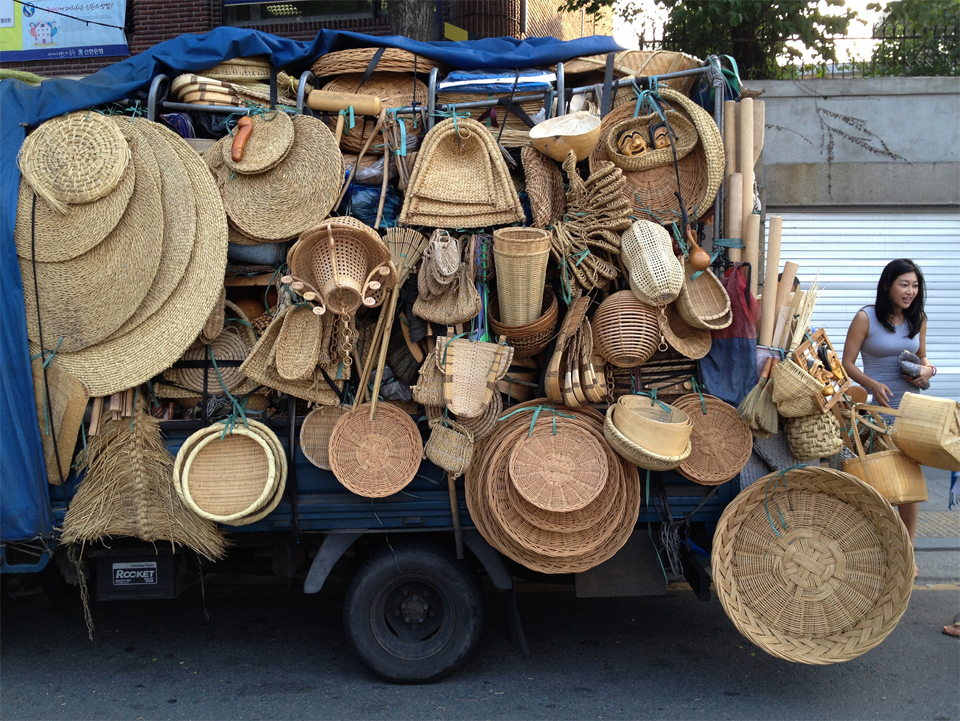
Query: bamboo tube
[745,155]
[730,136]
[759,126]
[751,250]
[769,308]
[333,102]
[734,214]
[786,281]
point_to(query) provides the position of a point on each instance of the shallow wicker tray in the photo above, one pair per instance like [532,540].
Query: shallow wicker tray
[722,441]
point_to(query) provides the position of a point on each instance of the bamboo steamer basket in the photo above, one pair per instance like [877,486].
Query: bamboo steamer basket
[665,432]
[894,475]
[625,331]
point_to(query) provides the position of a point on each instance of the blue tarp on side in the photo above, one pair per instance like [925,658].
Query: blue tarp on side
[24,500]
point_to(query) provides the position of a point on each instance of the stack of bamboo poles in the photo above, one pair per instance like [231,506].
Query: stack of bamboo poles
[111,408]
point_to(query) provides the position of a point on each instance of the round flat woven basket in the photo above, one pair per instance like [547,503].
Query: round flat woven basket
[74,158]
[356,60]
[625,331]
[269,143]
[813,437]
[694,343]
[656,276]
[375,458]
[722,441]
[558,469]
[315,434]
[812,565]
[703,301]
[636,454]
[280,454]
[394,91]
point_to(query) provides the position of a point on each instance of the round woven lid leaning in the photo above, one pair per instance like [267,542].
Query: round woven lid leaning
[722,440]
[74,159]
[635,454]
[694,343]
[375,458]
[356,60]
[228,346]
[269,143]
[304,186]
[625,331]
[315,434]
[812,565]
[394,91]
[558,471]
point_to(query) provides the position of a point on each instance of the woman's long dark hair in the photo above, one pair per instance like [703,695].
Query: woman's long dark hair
[913,315]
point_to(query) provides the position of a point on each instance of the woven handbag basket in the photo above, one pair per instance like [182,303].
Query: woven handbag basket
[722,441]
[450,446]
[928,430]
[812,565]
[814,436]
[795,390]
[896,476]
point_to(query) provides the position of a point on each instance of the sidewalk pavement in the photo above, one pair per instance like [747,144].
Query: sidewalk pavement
[938,533]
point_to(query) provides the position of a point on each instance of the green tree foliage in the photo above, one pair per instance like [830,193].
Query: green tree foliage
[754,32]
[918,37]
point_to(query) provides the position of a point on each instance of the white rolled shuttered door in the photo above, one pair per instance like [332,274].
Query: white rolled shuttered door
[851,249]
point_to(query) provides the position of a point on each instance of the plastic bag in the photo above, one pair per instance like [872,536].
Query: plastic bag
[362,201]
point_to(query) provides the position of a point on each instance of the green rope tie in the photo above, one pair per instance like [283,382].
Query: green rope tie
[536,414]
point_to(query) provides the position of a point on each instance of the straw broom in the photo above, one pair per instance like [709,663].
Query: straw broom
[767,417]
[750,405]
[128,491]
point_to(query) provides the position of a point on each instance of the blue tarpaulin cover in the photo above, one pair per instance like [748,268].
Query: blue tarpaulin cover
[24,495]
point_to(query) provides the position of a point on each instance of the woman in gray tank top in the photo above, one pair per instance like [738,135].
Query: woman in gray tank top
[880,332]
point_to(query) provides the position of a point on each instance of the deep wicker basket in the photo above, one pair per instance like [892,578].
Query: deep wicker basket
[722,441]
[795,390]
[529,339]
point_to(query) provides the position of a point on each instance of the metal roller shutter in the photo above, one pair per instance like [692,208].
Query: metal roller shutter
[851,248]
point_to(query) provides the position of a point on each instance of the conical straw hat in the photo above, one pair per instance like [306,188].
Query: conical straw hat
[86,299]
[155,344]
[269,143]
[62,236]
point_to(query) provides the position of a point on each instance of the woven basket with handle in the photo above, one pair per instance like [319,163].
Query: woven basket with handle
[795,390]
[814,436]
[928,430]
[450,446]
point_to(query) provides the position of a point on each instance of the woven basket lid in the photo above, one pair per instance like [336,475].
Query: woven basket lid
[292,196]
[86,299]
[74,159]
[544,187]
[228,346]
[62,236]
[558,471]
[685,141]
[375,458]
[268,144]
[241,69]
[691,342]
[722,440]
[315,434]
[655,272]
[812,565]
[356,60]
[155,344]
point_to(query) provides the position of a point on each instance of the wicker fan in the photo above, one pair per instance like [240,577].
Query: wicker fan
[406,246]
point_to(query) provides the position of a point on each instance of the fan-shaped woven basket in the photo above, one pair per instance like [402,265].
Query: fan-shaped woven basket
[625,331]
[655,272]
[482,425]
[703,301]
[694,343]
[795,390]
[722,441]
[269,143]
[510,122]
[394,91]
[375,458]
[813,437]
[812,565]
[685,140]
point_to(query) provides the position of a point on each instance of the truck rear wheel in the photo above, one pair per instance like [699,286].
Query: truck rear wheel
[413,614]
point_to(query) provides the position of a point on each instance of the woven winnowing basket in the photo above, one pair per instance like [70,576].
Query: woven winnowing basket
[722,441]
[794,390]
[814,436]
[450,446]
[647,252]
[703,301]
[684,142]
[826,583]
[928,430]
[375,458]
[625,331]
[394,91]
[562,469]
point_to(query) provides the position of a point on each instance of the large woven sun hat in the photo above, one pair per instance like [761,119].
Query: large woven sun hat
[625,331]
[662,429]
[722,440]
[294,195]
[62,236]
[544,187]
[85,299]
[269,142]
[356,60]
[61,403]
[394,91]
[460,179]
[375,458]
[703,301]
[179,222]
[656,275]
[684,141]
[471,370]
[577,132]
[155,344]
[561,468]
[315,434]
[73,159]
[694,343]
[635,453]
[812,565]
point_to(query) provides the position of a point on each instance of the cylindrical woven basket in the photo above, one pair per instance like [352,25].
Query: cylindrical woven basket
[655,273]
[375,458]
[703,301]
[685,141]
[450,446]
[315,434]
[636,454]
[558,471]
[394,91]
[794,390]
[928,430]
[529,339]
[625,331]
[663,431]
[812,437]
[520,256]
[812,565]
[722,441]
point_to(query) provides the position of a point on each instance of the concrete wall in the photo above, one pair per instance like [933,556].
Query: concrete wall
[862,142]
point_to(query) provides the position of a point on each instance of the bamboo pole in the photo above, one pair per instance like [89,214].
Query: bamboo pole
[730,136]
[734,214]
[455,513]
[751,250]
[745,155]
[769,308]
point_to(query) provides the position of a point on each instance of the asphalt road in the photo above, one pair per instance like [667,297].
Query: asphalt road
[277,654]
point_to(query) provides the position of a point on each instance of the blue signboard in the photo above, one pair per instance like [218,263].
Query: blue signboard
[61,29]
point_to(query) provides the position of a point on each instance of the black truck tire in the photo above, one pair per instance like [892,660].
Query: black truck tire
[413,613]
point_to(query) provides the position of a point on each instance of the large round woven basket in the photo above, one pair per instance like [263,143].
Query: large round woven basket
[315,434]
[812,565]
[625,331]
[394,91]
[722,441]
[375,458]
[356,60]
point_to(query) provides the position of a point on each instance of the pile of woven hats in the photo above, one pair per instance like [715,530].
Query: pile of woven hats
[122,240]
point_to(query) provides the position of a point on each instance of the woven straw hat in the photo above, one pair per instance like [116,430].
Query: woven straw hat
[155,344]
[392,60]
[86,299]
[269,143]
[686,139]
[294,195]
[62,236]
[460,180]
[74,159]
[656,275]
[691,342]
[544,185]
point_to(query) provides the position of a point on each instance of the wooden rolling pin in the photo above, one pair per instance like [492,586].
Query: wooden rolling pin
[745,156]
[730,137]
[770,307]
[734,214]
[751,251]
[331,102]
